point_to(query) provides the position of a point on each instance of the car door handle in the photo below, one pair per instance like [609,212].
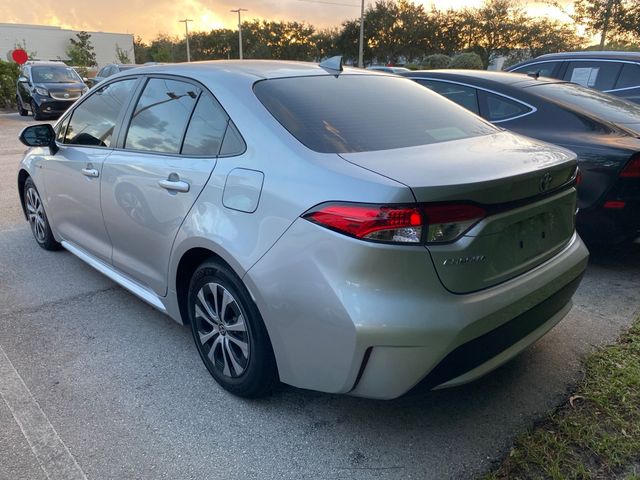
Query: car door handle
[90,172]
[174,185]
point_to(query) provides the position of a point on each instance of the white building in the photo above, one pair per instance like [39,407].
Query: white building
[51,43]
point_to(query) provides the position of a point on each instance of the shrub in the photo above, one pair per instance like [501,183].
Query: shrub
[9,72]
[470,61]
[437,60]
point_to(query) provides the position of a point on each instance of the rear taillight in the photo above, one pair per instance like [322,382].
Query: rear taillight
[430,223]
[447,222]
[632,169]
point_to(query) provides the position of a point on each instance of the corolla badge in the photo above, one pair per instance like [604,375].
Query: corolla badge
[464,260]
[545,181]
[66,95]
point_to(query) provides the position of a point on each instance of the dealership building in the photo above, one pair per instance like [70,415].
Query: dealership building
[51,43]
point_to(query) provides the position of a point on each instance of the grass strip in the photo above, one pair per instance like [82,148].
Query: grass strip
[596,433]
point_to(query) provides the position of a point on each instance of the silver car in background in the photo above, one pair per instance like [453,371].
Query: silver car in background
[345,231]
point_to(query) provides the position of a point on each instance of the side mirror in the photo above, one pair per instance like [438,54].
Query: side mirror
[85,79]
[22,79]
[42,135]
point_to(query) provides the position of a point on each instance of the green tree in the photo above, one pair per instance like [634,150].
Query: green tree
[80,50]
[140,50]
[122,56]
[469,61]
[613,20]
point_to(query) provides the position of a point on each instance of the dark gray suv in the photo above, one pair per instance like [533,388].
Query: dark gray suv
[47,89]
[617,73]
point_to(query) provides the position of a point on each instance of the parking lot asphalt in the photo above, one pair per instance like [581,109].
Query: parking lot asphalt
[116,389]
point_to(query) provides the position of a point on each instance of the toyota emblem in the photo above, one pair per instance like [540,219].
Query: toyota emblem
[545,182]
[66,95]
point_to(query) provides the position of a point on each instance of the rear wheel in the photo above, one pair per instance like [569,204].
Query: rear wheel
[37,114]
[229,332]
[38,218]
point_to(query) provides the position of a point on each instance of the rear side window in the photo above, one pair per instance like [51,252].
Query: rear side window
[160,118]
[233,143]
[206,128]
[497,108]
[94,121]
[630,76]
[359,113]
[544,69]
[598,75]
[461,94]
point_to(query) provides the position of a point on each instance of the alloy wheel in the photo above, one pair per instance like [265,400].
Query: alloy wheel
[35,213]
[221,329]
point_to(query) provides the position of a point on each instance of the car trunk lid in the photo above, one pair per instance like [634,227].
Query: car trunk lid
[524,185]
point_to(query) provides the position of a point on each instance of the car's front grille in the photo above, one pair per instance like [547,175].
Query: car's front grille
[64,95]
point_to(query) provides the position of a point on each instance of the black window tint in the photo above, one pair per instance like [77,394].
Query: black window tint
[630,76]
[61,130]
[206,128]
[159,120]
[358,113]
[545,69]
[233,143]
[461,94]
[94,121]
[501,108]
[598,75]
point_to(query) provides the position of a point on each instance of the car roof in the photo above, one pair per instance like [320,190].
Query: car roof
[52,63]
[608,55]
[483,77]
[258,69]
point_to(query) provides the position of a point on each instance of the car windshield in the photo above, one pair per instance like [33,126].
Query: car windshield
[54,74]
[607,107]
[359,113]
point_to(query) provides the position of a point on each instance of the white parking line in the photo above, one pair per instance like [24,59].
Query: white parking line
[52,454]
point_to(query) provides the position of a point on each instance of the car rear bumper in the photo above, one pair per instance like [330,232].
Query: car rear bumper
[346,316]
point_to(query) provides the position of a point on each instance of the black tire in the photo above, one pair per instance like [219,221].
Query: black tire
[37,114]
[21,110]
[250,377]
[37,217]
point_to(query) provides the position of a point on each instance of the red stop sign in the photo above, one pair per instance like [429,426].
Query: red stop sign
[19,56]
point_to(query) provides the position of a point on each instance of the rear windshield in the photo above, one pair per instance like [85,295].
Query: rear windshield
[54,74]
[359,113]
[607,107]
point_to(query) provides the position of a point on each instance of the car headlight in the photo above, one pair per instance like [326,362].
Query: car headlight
[42,91]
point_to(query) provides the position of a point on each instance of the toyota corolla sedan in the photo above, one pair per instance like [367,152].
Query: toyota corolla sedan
[338,230]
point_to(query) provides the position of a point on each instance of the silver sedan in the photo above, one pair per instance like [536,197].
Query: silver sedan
[334,229]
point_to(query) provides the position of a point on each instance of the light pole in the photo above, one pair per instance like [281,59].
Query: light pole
[361,47]
[186,31]
[238,10]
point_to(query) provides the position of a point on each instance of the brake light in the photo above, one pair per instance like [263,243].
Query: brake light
[578,176]
[430,223]
[632,169]
[614,204]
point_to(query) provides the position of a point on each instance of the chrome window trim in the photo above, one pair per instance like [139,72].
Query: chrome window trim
[455,82]
[584,60]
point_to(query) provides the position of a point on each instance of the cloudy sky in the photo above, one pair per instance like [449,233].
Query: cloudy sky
[150,17]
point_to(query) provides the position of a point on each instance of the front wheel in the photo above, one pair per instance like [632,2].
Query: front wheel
[38,218]
[229,332]
[21,110]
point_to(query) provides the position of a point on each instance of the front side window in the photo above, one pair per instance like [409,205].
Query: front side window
[598,75]
[161,115]
[206,128]
[94,120]
[461,94]
[359,113]
[629,76]
[544,69]
[497,108]
[54,74]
